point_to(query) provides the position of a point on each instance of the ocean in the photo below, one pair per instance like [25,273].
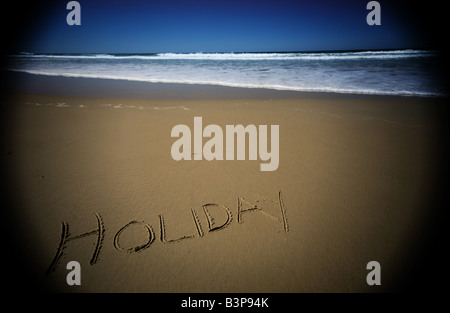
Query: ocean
[390,72]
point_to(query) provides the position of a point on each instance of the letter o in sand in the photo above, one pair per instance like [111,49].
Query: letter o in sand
[151,238]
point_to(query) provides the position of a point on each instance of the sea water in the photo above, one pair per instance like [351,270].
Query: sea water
[390,72]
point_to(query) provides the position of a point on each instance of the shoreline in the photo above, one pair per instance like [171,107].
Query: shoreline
[360,178]
[27,83]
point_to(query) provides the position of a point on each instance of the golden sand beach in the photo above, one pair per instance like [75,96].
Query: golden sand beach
[92,180]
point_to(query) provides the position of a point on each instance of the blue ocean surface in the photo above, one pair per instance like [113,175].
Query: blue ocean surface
[390,72]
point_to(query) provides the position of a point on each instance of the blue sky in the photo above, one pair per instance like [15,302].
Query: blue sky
[129,26]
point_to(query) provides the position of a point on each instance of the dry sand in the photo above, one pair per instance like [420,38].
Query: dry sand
[352,186]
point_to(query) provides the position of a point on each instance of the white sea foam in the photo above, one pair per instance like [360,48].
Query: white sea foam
[367,91]
[399,72]
[388,54]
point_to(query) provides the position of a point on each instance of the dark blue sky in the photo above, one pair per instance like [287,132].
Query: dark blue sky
[129,26]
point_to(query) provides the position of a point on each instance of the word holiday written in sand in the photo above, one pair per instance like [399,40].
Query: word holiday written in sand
[212,212]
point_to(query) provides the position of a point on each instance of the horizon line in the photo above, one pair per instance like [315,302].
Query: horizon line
[231,52]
